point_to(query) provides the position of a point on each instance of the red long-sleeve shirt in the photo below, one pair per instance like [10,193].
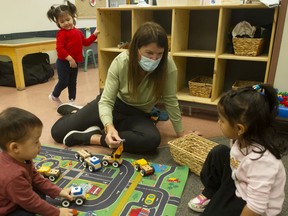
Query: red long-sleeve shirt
[18,182]
[71,42]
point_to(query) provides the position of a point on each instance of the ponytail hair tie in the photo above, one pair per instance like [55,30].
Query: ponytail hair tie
[256,87]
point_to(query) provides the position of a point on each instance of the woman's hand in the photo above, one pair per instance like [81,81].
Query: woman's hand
[66,193]
[112,138]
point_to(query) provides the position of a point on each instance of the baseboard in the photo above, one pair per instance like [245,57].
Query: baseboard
[81,64]
[199,110]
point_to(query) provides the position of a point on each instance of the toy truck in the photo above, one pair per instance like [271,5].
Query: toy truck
[88,160]
[144,167]
[93,163]
[82,154]
[79,196]
[48,172]
[115,157]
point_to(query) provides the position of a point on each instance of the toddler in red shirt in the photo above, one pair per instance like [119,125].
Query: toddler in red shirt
[21,184]
[69,43]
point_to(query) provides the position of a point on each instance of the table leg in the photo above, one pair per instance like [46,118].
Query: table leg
[18,71]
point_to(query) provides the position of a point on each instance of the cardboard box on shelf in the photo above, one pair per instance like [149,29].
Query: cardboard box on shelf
[234,2]
[239,2]
[116,3]
[110,3]
[178,2]
[102,3]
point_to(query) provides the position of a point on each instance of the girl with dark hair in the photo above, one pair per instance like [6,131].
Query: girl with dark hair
[137,80]
[249,178]
[69,44]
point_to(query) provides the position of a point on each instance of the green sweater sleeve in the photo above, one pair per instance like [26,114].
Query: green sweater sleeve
[169,97]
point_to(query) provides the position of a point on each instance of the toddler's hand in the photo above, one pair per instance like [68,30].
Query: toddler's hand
[65,212]
[65,193]
[96,32]
[73,64]
[71,61]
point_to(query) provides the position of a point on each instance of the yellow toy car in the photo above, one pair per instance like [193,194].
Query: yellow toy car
[144,167]
[47,172]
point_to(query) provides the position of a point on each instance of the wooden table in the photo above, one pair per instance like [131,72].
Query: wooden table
[18,48]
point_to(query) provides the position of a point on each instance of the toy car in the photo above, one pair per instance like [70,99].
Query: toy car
[79,194]
[82,154]
[47,172]
[115,157]
[144,167]
[93,163]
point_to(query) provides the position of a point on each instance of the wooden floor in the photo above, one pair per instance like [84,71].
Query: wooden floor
[35,99]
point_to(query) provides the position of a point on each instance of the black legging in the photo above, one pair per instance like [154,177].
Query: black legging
[219,185]
[133,125]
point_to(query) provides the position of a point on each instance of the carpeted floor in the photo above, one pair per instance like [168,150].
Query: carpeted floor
[193,184]
[87,89]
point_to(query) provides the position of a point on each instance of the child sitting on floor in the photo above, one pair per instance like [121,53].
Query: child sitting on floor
[23,189]
[249,178]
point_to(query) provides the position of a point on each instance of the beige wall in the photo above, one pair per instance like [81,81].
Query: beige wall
[281,79]
[30,16]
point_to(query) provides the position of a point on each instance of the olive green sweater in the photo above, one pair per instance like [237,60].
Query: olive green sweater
[116,85]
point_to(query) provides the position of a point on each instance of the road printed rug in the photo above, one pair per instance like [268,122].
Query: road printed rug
[116,191]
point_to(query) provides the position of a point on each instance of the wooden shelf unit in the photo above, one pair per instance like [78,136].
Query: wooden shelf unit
[200,42]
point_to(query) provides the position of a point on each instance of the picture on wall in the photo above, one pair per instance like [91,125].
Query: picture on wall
[86,8]
[92,3]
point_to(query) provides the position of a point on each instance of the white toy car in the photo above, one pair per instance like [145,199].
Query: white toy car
[79,194]
[93,163]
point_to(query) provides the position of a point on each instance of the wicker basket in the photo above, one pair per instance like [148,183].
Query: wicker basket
[248,46]
[191,150]
[201,86]
[243,83]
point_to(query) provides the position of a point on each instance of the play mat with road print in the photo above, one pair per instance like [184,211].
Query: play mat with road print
[117,191]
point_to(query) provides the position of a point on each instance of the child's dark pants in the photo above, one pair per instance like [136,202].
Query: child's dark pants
[219,185]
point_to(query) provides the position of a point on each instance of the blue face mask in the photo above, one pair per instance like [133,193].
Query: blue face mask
[148,64]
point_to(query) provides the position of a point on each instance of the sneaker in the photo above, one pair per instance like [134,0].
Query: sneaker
[67,108]
[56,99]
[80,137]
[199,203]
[158,115]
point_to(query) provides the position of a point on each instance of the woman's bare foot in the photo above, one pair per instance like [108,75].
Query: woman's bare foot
[95,139]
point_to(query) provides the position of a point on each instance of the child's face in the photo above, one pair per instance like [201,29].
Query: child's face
[66,22]
[227,130]
[30,148]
